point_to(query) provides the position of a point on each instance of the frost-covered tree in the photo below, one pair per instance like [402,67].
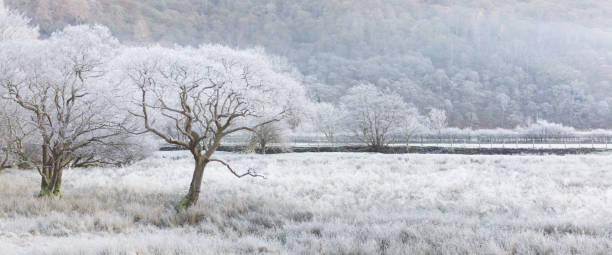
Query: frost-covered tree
[545,129]
[437,120]
[327,119]
[264,135]
[60,86]
[120,150]
[373,114]
[414,124]
[11,135]
[6,160]
[17,136]
[15,26]
[193,98]
[504,102]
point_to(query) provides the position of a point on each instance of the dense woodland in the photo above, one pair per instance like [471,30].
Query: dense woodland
[486,63]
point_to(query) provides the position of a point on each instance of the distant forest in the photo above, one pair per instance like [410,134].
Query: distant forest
[487,63]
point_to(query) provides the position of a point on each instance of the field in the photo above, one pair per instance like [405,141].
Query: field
[320,203]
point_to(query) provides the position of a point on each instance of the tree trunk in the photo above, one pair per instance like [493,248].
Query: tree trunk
[45,188]
[57,187]
[51,184]
[3,164]
[196,183]
[262,145]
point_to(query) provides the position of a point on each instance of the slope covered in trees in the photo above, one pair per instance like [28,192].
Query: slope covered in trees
[487,63]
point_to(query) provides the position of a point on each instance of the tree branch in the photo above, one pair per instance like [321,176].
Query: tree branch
[251,172]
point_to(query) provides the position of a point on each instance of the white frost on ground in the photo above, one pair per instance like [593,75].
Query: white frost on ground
[313,203]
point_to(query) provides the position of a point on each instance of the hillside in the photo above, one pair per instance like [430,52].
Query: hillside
[487,63]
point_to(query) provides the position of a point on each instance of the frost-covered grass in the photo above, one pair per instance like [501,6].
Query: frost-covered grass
[320,203]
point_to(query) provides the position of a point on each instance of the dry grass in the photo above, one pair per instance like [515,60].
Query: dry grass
[328,203]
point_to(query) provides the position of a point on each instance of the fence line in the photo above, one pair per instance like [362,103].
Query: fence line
[450,141]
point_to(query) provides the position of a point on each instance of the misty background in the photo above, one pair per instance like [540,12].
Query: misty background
[486,63]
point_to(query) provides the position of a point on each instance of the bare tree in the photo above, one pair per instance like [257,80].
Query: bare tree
[373,114]
[6,140]
[57,84]
[5,162]
[6,144]
[437,121]
[326,118]
[119,150]
[414,124]
[265,135]
[13,136]
[13,26]
[206,95]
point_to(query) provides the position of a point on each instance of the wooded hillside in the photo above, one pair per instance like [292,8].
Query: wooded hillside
[487,63]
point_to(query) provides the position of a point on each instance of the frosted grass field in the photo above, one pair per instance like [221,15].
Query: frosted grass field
[320,203]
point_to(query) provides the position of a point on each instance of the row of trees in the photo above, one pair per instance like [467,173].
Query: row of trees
[375,116]
[81,98]
[423,129]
